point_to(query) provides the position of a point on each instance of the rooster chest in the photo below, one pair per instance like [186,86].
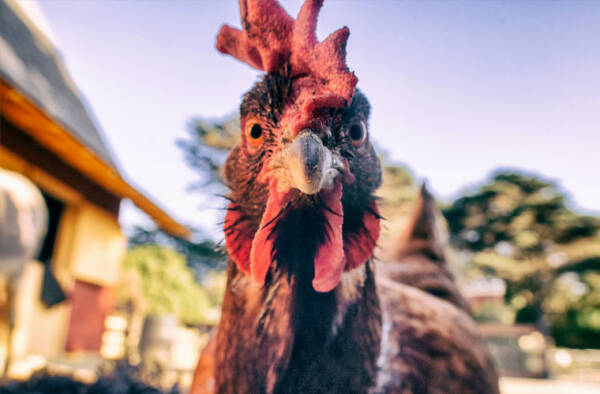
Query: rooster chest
[292,342]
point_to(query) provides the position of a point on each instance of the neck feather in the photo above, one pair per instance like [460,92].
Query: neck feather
[286,337]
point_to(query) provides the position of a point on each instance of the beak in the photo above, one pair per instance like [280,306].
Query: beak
[311,166]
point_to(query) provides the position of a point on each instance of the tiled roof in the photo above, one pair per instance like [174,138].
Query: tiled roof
[30,63]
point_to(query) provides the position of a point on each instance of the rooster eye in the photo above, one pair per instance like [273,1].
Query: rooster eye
[255,134]
[358,133]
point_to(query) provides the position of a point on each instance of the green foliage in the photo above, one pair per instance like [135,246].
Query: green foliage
[158,260]
[576,314]
[519,228]
[201,253]
[207,147]
[522,210]
[168,285]
[397,196]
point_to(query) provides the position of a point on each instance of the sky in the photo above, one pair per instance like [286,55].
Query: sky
[458,89]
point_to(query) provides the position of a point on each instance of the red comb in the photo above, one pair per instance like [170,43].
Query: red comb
[271,39]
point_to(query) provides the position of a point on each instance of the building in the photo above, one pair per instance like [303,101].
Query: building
[48,135]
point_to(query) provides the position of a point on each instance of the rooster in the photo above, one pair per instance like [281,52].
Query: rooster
[304,311]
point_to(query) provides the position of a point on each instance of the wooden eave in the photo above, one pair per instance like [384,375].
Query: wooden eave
[22,112]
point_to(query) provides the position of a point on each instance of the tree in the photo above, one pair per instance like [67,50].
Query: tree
[201,253]
[158,259]
[205,151]
[168,285]
[519,228]
[207,147]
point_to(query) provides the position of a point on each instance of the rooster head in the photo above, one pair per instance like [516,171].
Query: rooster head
[303,176]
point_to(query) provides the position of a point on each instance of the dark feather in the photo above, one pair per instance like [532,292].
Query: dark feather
[285,337]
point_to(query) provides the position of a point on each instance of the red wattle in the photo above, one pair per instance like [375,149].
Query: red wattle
[330,260]
[261,253]
[238,237]
[253,252]
[358,247]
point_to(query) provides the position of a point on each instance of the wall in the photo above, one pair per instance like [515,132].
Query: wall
[89,249]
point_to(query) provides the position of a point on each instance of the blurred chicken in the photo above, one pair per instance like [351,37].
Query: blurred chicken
[23,226]
[431,341]
[417,258]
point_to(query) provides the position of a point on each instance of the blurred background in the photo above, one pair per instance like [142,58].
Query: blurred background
[117,116]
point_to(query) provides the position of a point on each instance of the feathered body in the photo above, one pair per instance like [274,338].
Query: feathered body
[23,226]
[430,342]
[304,310]
[286,320]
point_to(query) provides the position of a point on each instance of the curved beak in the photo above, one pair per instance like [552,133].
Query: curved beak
[311,166]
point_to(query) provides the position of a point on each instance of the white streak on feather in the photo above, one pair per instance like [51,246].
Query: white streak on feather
[383,361]
[348,293]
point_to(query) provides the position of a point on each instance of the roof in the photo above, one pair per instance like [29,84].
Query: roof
[38,96]
[30,63]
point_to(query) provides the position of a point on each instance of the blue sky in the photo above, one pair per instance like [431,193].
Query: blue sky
[457,88]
